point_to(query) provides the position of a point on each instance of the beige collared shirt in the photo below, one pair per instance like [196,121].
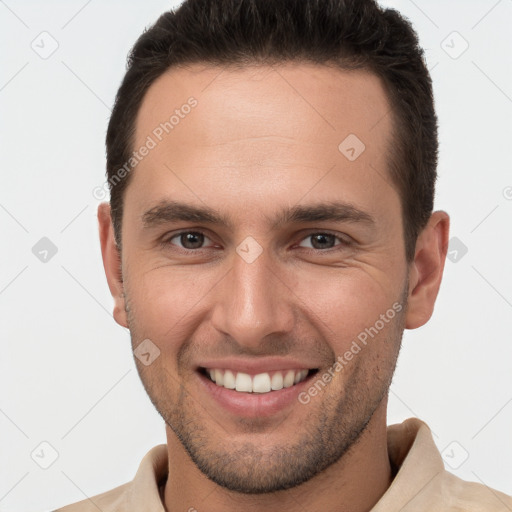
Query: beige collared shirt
[421,484]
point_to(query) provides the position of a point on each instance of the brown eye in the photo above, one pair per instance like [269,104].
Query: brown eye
[188,240]
[323,241]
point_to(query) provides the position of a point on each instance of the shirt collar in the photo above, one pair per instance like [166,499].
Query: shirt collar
[411,448]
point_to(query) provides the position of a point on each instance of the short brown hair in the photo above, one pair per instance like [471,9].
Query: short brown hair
[349,34]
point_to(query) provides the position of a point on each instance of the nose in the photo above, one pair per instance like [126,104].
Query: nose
[253,301]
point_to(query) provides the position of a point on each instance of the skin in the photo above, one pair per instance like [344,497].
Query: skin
[259,140]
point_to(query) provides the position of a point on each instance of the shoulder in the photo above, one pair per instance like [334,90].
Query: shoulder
[422,482]
[142,493]
[471,496]
[110,501]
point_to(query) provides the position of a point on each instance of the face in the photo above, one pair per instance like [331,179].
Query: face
[301,255]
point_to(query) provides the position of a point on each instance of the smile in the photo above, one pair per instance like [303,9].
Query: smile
[259,383]
[245,390]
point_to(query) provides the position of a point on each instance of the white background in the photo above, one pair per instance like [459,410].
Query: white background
[67,374]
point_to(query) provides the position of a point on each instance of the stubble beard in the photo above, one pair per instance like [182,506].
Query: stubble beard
[328,431]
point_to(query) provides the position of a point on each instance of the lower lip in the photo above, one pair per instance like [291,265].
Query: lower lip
[254,405]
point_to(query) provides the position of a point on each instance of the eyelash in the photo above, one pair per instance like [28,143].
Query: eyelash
[344,243]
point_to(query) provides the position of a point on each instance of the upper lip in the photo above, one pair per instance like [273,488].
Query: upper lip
[256,365]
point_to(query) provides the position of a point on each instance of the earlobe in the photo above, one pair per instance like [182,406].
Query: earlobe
[426,271]
[112,263]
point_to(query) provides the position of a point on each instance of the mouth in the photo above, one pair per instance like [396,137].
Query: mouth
[261,383]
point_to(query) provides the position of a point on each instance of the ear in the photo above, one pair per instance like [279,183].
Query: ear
[426,271]
[112,263]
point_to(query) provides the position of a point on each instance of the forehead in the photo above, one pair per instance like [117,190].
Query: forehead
[260,127]
[269,100]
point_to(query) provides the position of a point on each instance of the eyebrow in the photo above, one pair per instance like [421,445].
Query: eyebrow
[168,211]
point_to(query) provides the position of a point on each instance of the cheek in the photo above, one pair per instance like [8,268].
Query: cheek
[347,301]
[165,298]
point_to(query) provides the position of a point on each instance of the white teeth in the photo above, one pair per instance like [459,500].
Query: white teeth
[229,380]
[289,379]
[219,377]
[277,381]
[261,383]
[300,376]
[243,382]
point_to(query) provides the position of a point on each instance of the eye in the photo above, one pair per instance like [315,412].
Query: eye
[189,240]
[194,240]
[322,241]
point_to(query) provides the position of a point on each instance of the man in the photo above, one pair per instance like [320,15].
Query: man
[270,235]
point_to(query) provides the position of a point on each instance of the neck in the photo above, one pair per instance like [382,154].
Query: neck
[356,482]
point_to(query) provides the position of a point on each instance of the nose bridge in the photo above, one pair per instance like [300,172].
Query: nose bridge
[252,303]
